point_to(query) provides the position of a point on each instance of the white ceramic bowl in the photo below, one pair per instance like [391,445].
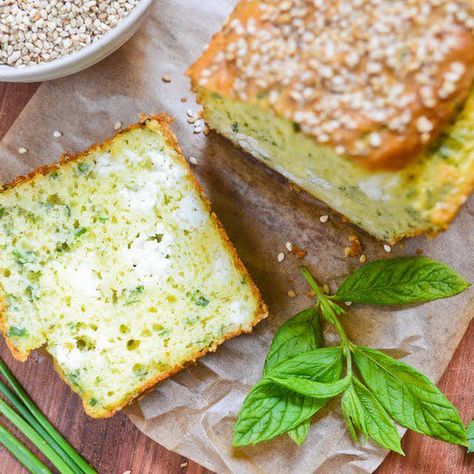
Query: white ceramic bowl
[83,58]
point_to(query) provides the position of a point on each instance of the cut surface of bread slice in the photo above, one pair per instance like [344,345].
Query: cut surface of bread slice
[115,263]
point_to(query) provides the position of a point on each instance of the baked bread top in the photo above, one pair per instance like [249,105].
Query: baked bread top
[377,80]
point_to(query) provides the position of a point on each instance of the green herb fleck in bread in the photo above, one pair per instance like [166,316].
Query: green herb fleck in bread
[114,261]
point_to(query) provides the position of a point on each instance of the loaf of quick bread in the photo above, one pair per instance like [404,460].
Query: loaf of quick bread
[367,105]
[114,262]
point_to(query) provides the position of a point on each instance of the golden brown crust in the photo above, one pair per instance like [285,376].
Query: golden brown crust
[398,147]
[157,123]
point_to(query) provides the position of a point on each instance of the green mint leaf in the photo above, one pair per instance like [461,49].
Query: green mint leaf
[401,281]
[299,434]
[409,397]
[310,388]
[269,411]
[363,411]
[301,333]
[470,437]
[314,374]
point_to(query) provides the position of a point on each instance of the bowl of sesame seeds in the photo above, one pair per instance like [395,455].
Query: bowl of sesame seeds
[47,39]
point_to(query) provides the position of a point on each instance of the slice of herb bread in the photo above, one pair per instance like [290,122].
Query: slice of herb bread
[115,263]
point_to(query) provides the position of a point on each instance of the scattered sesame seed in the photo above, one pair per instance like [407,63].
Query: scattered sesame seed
[193,160]
[183,464]
[281,257]
[166,79]
[57,134]
[117,125]
[291,294]
[127,472]
[189,113]
[387,248]
[324,218]
[22,150]
[363,258]
[348,303]
[289,246]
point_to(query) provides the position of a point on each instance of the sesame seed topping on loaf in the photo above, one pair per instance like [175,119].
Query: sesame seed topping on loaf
[377,80]
[115,263]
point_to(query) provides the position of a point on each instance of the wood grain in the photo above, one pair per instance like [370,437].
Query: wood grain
[115,445]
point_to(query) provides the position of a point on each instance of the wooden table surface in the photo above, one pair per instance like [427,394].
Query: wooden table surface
[115,445]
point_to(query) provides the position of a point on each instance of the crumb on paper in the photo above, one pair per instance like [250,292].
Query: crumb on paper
[299,253]
[294,187]
[355,248]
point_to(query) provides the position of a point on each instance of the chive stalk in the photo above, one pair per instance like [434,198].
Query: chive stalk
[23,410]
[23,454]
[58,439]
[34,437]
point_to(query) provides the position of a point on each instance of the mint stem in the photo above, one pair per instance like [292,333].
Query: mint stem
[330,311]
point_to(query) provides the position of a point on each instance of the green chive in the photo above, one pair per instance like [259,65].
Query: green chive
[24,455]
[34,410]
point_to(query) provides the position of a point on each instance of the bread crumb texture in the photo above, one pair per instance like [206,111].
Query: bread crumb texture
[114,261]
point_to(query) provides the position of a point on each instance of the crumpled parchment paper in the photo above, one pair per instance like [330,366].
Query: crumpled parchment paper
[193,413]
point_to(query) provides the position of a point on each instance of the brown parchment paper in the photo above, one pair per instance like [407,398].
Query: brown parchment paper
[193,413]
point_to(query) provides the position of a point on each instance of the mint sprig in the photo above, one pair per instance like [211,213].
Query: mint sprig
[300,376]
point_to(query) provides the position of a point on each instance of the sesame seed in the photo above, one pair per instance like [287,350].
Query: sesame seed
[348,303]
[324,218]
[362,258]
[183,464]
[57,134]
[166,79]
[291,294]
[117,125]
[281,257]
[375,140]
[326,289]
[289,246]
[22,150]
[387,248]
[192,160]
